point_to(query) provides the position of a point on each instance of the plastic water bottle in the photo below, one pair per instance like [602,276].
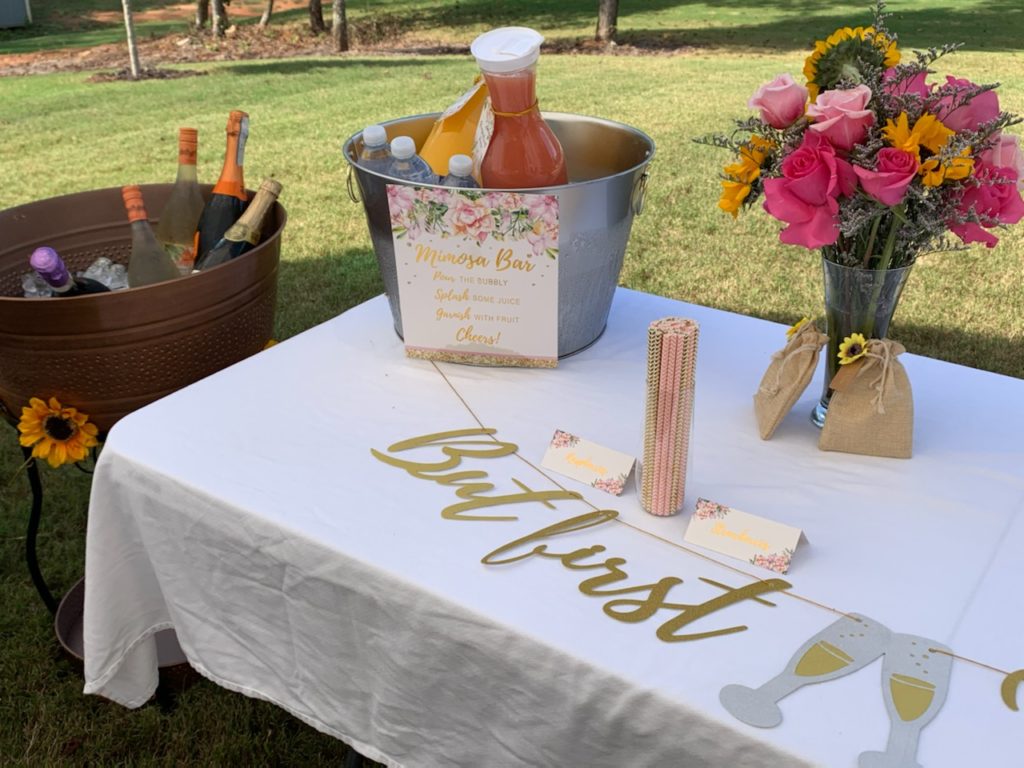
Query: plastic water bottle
[375,155]
[460,173]
[407,165]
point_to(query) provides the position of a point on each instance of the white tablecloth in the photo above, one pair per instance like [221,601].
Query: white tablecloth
[247,512]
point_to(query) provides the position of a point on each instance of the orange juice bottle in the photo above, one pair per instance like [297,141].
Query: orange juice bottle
[524,153]
[455,129]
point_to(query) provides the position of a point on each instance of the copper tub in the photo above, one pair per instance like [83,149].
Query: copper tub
[109,354]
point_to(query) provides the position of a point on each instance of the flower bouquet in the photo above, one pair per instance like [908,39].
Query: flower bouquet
[873,165]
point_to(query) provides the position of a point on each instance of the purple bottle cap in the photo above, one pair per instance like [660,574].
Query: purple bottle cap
[50,266]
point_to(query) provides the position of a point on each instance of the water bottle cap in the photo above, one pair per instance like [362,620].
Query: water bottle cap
[403,147]
[460,165]
[49,265]
[507,49]
[375,136]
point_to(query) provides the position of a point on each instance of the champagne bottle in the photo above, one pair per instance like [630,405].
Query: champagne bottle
[244,233]
[228,201]
[49,266]
[149,262]
[179,219]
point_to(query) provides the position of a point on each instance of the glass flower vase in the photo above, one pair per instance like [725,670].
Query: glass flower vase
[860,301]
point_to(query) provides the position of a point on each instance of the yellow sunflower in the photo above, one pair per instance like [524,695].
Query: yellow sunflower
[741,174]
[55,433]
[840,57]
[854,347]
[791,332]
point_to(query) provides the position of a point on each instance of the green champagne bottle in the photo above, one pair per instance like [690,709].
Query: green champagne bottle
[244,234]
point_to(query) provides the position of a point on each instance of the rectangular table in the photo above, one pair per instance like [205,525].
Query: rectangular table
[248,512]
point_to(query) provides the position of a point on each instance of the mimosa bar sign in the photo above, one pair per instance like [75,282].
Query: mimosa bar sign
[477,274]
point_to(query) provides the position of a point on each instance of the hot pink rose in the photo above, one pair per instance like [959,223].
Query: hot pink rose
[915,84]
[1006,153]
[894,170]
[805,197]
[781,101]
[959,116]
[995,200]
[842,116]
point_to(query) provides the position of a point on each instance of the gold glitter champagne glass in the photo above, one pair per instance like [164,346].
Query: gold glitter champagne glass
[844,646]
[915,678]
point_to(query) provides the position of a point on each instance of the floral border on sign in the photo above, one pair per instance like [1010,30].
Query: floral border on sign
[776,561]
[563,440]
[710,510]
[477,216]
[612,485]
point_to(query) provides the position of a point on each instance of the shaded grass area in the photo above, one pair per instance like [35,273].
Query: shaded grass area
[985,25]
[62,135]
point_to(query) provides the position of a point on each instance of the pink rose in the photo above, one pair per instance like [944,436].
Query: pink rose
[781,101]
[995,200]
[842,116]
[1006,153]
[472,219]
[894,170]
[805,197]
[957,115]
[914,84]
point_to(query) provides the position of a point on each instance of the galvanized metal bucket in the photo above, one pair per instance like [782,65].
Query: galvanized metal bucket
[607,164]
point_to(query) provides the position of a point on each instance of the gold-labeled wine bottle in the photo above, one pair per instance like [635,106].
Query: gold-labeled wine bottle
[176,229]
[149,262]
[245,233]
[228,201]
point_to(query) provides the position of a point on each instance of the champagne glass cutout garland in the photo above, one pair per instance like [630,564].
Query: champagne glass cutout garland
[915,679]
[671,368]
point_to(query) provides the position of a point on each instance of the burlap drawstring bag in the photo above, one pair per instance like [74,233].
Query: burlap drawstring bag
[872,410]
[788,375]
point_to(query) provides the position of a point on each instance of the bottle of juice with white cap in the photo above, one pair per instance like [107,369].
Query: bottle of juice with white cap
[524,153]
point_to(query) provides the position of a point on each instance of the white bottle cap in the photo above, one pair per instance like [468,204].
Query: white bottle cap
[460,165]
[507,49]
[403,147]
[374,136]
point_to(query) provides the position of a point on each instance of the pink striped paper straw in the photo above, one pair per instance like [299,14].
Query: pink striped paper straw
[666,451]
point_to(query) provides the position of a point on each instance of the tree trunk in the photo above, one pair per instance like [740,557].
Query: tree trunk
[339,26]
[133,50]
[220,17]
[316,17]
[202,13]
[607,18]
[265,18]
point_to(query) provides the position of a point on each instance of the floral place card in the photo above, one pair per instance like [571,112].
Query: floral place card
[477,274]
[747,537]
[588,462]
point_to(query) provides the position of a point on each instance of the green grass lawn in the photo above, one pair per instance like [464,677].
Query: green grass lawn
[60,134]
[989,25]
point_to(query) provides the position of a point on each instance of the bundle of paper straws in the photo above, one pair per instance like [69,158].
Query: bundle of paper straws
[671,368]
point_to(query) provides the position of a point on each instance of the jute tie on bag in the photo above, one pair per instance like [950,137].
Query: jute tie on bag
[788,375]
[872,410]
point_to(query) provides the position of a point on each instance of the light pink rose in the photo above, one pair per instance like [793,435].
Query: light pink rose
[995,200]
[959,116]
[544,208]
[805,197]
[541,238]
[842,116]
[915,84]
[472,218]
[894,170]
[781,101]
[1006,153]
[401,200]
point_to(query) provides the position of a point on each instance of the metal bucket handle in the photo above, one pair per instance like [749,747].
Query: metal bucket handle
[639,196]
[350,183]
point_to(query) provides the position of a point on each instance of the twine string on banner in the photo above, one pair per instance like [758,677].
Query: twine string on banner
[727,566]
